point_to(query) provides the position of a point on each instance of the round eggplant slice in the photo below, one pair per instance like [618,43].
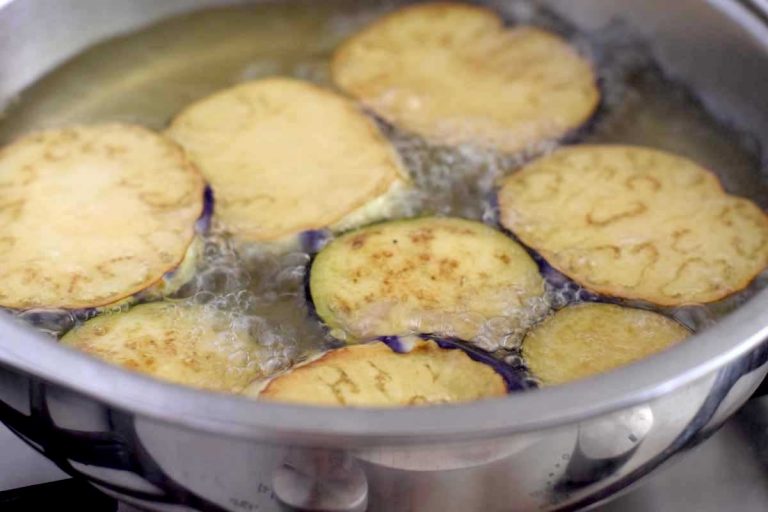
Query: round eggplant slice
[285,156]
[453,74]
[187,345]
[90,216]
[587,339]
[375,375]
[443,276]
[636,223]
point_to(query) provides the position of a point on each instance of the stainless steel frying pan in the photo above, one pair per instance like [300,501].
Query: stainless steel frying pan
[165,447]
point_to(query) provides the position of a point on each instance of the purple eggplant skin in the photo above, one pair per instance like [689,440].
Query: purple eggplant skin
[311,309]
[394,343]
[203,224]
[515,377]
[313,240]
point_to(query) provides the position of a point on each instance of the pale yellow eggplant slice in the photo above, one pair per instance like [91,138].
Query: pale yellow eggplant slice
[374,375]
[636,223]
[182,344]
[588,339]
[435,275]
[91,215]
[454,74]
[285,156]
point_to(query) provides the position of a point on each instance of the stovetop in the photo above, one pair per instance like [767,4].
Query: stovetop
[728,472]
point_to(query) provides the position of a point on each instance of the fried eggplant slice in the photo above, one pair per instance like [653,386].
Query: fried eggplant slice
[186,345]
[591,338]
[92,215]
[454,74]
[444,276]
[374,375]
[636,223]
[284,156]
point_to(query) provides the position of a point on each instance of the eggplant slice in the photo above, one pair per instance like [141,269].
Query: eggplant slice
[285,156]
[636,223]
[588,339]
[91,215]
[184,344]
[454,74]
[375,375]
[443,276]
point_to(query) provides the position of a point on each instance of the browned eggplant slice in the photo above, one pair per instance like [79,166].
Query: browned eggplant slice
[444,276]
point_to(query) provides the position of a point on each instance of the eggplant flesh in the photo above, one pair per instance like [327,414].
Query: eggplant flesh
[591,338]
[85,220]
[636,223]
[180,343]
[285,156]
[375,375]
[446,276]
[57,321]
[431,69]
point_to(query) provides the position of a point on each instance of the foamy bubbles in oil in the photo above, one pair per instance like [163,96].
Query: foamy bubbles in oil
[257,292]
